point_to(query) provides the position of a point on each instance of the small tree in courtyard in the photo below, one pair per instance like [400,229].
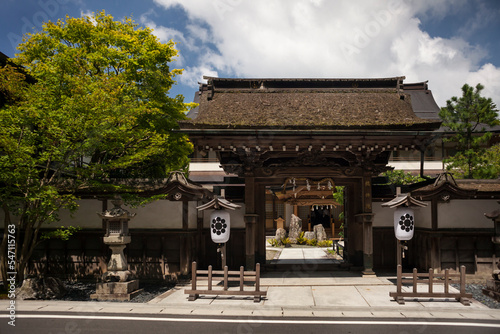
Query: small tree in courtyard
[466,117]
[490,168]
[98,110]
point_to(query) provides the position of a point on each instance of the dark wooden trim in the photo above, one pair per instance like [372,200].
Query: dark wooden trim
[185,215]
[434,214]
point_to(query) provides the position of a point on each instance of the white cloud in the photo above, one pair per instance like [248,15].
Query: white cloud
[191,76]
[314,38]
[489,76]
[86,13]
[165,34]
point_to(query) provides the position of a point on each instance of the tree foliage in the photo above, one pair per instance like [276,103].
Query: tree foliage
[99,109]
[488,166]
[399,177]
[338,196]
[467,118]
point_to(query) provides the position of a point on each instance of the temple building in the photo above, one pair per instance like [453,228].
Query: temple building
[267,131]
[275,139]
[277,147]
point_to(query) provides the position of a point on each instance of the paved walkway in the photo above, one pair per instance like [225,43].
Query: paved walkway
[313,255]
[336,294]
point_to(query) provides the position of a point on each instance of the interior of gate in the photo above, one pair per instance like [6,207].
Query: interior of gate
[268,165]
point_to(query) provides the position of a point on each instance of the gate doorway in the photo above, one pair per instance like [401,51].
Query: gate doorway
[316,209]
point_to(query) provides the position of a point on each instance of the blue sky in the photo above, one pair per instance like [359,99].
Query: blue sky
[447,42]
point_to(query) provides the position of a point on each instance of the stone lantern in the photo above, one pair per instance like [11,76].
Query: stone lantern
[493,285]
[117,238]
[118,282]
[495,216]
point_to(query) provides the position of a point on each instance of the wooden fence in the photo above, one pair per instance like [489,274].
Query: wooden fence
[227,276]
[432,279]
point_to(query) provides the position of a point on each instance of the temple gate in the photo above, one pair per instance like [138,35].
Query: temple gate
[267,131]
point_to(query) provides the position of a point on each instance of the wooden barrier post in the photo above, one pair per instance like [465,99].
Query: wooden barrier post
[257,298]
[209,277]
[446,279]
[415,277]
[193,296]
[431,280]
[242,278]
[227,275]
[225,278]
[463,296]
[399,299]
[462,280]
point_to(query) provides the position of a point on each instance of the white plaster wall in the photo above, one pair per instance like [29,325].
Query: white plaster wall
[237,217]
[85,217]
[423,216]
[193,215]
[466,213]
[205,167]
[384,217]
[415,165]
[162,214]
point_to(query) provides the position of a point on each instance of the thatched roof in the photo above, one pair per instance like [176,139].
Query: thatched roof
[306,103]
[484,189]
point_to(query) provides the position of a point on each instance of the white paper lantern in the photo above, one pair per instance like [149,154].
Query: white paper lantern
[220,226]
[404,223]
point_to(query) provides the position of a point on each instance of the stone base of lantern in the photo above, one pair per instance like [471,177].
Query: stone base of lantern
[368,273]
[121,291]
[493,287]
[117,276]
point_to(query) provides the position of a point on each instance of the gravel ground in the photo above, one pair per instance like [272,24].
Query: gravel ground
[81,291]
[477,294]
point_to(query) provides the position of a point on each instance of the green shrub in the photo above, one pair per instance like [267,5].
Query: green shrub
[301,240]
[325,243]
[279,243]
[274,242]
[312,242]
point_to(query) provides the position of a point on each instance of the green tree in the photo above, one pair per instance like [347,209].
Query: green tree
[338,196]
[399,177]
[466,117]
[99,109]
[489,166]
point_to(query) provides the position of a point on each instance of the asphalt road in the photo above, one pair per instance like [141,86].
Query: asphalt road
[78,324]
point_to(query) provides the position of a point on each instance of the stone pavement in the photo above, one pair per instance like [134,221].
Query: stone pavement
[334,294]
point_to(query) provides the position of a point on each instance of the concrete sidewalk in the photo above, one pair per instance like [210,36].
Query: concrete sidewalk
[343,297]
[337,294]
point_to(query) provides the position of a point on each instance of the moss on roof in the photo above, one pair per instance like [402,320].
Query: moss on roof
[306,108]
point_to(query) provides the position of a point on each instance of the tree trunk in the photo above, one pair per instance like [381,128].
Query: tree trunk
[3,247]
[24,249]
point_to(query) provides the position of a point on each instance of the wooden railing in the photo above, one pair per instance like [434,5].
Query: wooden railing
[432,279]
[227,276]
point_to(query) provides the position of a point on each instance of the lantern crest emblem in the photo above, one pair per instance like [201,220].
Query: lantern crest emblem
[406,222]
[219,225]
